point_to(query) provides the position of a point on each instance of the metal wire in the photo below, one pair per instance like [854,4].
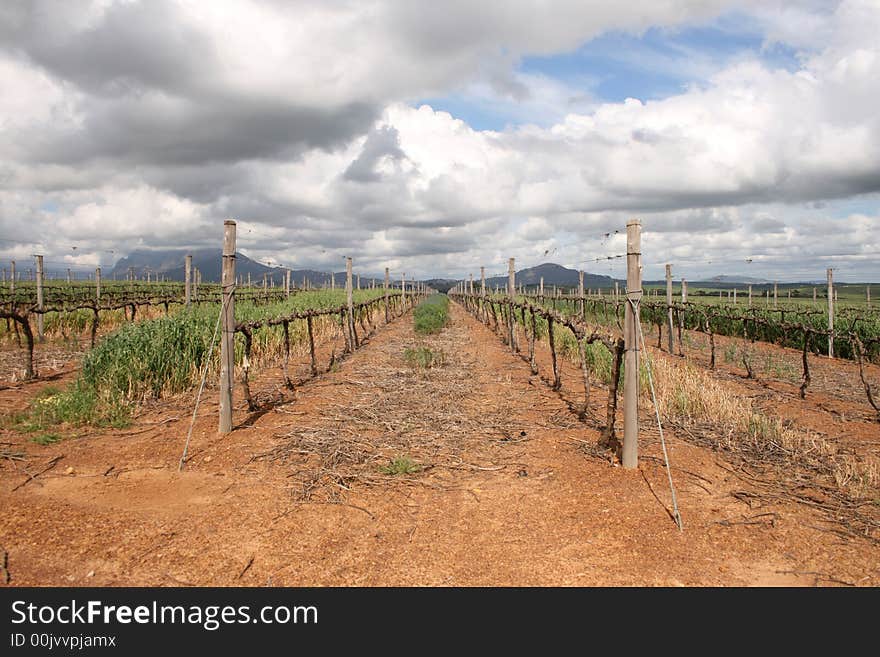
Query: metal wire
[204,378]
[675,512]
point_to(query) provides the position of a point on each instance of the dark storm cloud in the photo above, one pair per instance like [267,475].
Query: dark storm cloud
[152,94]
[156,131]
[131,46]
[429,241]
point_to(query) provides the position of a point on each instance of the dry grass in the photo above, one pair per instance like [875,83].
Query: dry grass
[687,394]
[390,408]
[793,463]
[860,477]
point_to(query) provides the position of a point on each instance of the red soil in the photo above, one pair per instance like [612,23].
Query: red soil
[507,496]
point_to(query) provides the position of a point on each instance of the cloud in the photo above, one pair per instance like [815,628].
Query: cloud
[147,123]
[381,148]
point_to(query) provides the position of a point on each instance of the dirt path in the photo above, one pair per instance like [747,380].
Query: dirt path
[504,493]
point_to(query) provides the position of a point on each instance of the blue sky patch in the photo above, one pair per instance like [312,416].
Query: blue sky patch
[614,66]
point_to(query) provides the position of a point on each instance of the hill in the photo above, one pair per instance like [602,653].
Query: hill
[441,284]
[723,278]
[170,263]
[553,274]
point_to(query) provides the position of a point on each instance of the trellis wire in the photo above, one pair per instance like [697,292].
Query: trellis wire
[202,385]
[675,511]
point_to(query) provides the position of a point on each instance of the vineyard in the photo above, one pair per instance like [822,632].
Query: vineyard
[795,328]
[398,435]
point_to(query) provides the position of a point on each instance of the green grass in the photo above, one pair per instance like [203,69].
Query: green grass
[401,465]
[431,315]
[77,405]
[164,356]
[424,357]
[46,438]
[599,361]
[779,368]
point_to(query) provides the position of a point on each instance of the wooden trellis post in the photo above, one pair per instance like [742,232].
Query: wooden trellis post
[387,285]
[227,338]
[581,291]
[287,283]
[750,296]
[187,279]
[630,454]
[349,301]
[40,297]
[669,307]
[511,293]
[482,281]
[98,284]
[830,313]
[12,275]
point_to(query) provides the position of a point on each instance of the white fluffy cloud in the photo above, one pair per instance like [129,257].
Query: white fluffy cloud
[146,123]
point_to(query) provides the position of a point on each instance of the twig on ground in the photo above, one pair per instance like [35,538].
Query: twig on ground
[48,467]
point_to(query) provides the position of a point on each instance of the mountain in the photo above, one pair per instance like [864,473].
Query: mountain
[170,264]
[441,284]
[723,278]
[553,274]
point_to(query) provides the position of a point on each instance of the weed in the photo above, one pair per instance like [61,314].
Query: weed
[162,356]
[762,429]
[730,353]
[778,367]
[686,394]
[424,357]
[431,315]
[599,360]
[46,438]
[401,465]
[78,405]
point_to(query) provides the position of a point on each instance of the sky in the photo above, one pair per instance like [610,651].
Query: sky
[433,138]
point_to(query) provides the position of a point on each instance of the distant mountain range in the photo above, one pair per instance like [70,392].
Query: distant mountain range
[441,284]
[170,263]
[737,279]
[552,274]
